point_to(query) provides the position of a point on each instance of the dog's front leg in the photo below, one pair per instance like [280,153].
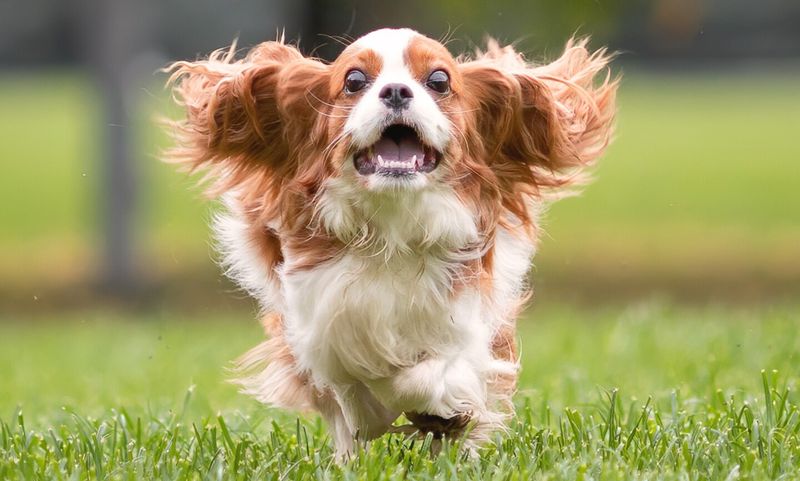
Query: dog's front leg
[355,415]
[447,396]
[343,437]
[441,387]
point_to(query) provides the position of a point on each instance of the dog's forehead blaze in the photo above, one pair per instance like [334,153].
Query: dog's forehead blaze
[403,48]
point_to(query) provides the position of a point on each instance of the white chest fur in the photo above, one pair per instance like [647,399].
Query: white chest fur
[361,318]
[388,300]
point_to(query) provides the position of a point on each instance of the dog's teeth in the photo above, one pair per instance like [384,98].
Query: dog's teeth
[397,164]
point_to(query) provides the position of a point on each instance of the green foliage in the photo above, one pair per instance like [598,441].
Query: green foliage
[644,392]
[535,25]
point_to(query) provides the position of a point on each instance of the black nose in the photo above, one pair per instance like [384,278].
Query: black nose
[396,96]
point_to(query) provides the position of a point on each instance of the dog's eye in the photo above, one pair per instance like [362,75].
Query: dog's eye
[354,81]
[439,81]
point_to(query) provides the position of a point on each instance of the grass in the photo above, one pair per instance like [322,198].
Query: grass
[648,391]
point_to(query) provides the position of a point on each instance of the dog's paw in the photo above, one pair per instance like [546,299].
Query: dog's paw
[444,388]
[440,427]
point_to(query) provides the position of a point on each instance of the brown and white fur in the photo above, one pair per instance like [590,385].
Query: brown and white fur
[392,288]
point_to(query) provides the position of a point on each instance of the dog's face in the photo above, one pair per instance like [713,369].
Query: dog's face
[395,113]
[397,98]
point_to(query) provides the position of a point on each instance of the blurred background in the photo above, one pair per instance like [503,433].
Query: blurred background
[697,201]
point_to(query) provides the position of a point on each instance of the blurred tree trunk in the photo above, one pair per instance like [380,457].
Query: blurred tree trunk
[113,35]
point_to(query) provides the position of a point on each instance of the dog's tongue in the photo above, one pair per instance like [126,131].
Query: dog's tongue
[403,151]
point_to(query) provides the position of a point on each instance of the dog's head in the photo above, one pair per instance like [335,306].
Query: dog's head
[394,115]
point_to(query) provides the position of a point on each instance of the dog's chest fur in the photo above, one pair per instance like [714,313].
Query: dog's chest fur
[393,297]
[361,318]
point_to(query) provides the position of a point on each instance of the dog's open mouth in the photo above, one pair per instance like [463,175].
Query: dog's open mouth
[398,152]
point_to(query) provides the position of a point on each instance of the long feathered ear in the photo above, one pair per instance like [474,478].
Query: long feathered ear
[244,117]
[540,125]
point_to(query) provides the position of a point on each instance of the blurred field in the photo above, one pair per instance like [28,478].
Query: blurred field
[100,360]
[697,195]
[650,391]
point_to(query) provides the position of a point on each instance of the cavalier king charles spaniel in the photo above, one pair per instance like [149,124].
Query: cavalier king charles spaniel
[383,209]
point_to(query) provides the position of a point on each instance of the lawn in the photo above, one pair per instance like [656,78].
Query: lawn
[645,391]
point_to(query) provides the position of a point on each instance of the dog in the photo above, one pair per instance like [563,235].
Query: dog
[384,210]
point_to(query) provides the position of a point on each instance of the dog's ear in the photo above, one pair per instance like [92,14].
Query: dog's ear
[539,126]
[245,117]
